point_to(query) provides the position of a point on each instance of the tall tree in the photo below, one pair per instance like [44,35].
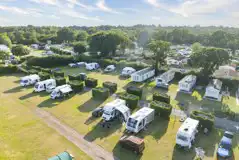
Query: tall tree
[80,47]
[82,36]
[196,47]
[66,35]
[4,55]
[4,39]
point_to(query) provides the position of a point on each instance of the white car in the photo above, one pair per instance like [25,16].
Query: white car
[72,65]
[110,68]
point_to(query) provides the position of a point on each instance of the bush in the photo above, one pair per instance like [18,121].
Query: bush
[20,50]
[46,70]
[80,47]
[8,69]
[33,71]
[161,97]
[161,108]
[58,74]
[60,51]
[131,100]
[44,75]
[135,91]
[60,81]
[91,82]
[50,61]
[76,77]
[111,86]
[206,120]
[38,68]
[76,85]
[100,93]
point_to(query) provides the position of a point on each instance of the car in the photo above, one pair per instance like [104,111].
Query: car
[72,64]
[132,143]
[110,68]
[80,64]
[224,150]
[97,112]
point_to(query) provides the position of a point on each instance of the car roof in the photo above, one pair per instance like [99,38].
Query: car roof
[226,140]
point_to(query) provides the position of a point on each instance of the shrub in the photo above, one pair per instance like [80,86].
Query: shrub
[8,69]
[131,100]
[161,97]
[44,75]
[100,93]
[135,91]
[111,86]
[38,68]
[60,81]
[33,71]
[161,108]
[46,70]
[76,85]
[76,77]
[58,74]
[91,82]
[206,120]
[20,50]
[80,47]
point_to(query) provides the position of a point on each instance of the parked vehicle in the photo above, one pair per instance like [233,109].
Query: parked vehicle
[92,66]
[187,83]
[61,91]
[97,112]
[164,79]
[137,121]
[225,146]
[80,64]
[47,85]
[143,75]
[72,65]
[132,143]
[127,71]
[110,68]
[187,133]
[29,80]
[114,109]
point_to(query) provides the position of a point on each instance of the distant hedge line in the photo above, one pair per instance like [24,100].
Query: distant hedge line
[8,69]
[60,51]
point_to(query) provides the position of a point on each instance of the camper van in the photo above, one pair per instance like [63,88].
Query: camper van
[164,79]
[47,85]
[187,133]
[143,75]
[137,121]
[29,80]
[127,71]
[61,91]
[114,109]
[92,66]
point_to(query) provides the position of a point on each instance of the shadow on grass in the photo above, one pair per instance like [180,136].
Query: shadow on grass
[15,89]
[33,94]
[90,120]
[90,105]
[98,131]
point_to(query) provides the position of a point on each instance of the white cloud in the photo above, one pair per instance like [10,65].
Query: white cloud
[103,7]
[49,2]
[54,16]
[13,9]
[154,3]
[156,18]
[73,3]
[74,14]
[131,9]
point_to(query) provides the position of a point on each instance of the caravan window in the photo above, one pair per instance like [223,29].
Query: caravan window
[36,85]
[183,138]
[132,122]
[24,81]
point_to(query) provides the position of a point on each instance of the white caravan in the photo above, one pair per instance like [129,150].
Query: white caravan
[187,83]
[142,75]
[110,68]
[187,133]
[47,85]
[61,91]
[213,90]
[29,80]
[137,121]
[127,71]
[164,79]
[92,66]
[114,109]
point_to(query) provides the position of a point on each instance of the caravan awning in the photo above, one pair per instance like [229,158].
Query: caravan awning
[66,90]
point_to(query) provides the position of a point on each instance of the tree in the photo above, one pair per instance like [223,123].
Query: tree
[82,36]
[30,37]
[4,39]
[4,55]
[196,47]
[20,50]
[143,38]
[80,47]
[159,48]
[65,35]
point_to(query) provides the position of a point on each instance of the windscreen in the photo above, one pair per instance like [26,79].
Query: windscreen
[132,123]
[182,137]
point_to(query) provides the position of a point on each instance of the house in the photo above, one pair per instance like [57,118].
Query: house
[187,83]
[4,48]
[62,156]
[213,90]
[143,75]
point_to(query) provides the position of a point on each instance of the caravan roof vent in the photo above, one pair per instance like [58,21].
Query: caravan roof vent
[185,129]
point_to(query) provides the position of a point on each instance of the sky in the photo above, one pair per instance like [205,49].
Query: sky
[119,12]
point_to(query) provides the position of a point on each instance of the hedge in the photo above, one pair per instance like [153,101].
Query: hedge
[206,120]
[60,81]
[50,61]
[135,91]
[60,51]
[33,71]
[91,82]
[161,108]
[111,86]
[8,69]
[131,100]
[44,75]
[38,68]
[76,77]
[100,93]
[46,70]
[58,74]
[76,85]
[161,97]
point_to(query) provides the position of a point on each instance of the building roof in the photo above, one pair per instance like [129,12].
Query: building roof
[188,79]
[140,114]
[165,74]
[143,71]
[62,156]
[215,83]
[189,126]
[4,48]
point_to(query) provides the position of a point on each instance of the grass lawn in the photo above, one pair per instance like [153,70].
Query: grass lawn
[23,136]
[76,112]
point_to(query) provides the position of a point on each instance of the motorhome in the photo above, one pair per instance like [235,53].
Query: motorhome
[137,121]
[46,85]
[92,66]
[187,83]
[29,80]
[213,90]
[114,109]
[187,132]
[127,71]
[143,75]
[61,91]
[110,68]
[164,79]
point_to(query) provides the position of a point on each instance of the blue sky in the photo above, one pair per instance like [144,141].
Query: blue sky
[119,12]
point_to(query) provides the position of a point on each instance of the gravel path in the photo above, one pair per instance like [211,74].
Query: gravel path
[93,150]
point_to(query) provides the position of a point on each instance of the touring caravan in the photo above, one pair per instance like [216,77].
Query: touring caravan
[127,71]
[187,83]
[187,133]
[137,121]
[92,66]
[164,79]
[110,68]
[61,91]
[143,75]
[47,85]
[29,80]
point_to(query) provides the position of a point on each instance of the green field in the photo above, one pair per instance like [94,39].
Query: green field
[76,112]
